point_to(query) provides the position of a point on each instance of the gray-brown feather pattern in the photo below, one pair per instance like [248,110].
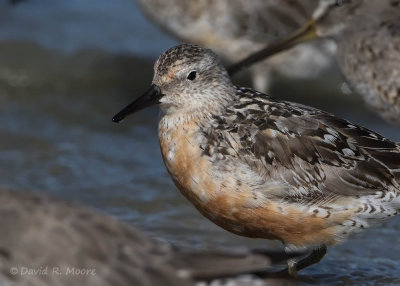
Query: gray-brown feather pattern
[318,155]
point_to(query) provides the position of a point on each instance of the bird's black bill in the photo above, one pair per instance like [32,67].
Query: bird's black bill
[150,97]
[305,33]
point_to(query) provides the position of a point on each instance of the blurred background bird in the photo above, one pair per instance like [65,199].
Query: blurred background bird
[46,241]
[367,34]
[235,29]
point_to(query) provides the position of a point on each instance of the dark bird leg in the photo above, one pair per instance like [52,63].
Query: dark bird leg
[296,264]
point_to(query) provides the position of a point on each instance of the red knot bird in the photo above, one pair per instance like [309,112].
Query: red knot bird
[45,241]
[235,28]
[265,168]
[367,33]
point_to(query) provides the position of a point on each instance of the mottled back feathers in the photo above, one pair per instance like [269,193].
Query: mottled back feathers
[313,152]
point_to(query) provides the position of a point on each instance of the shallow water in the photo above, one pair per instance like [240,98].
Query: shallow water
[59,87]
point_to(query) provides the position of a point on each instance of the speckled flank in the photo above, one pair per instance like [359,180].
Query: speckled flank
[261,167]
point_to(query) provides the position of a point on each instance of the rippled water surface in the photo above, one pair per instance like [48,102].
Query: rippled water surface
[60,84]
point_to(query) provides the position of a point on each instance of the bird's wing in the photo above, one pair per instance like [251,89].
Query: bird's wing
[314,153]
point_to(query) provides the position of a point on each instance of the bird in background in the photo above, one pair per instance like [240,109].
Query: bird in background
[266,168]
[367,34]
[236,28]
[69,244]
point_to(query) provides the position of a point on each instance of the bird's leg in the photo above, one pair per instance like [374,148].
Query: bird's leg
[296,264]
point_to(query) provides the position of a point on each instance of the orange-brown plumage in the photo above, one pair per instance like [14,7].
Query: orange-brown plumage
[190,171]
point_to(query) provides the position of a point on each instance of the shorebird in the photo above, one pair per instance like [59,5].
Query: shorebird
[236,28]
[265,168]
[45,241]
[367,34]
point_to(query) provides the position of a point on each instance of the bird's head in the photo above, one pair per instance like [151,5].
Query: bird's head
[187,79]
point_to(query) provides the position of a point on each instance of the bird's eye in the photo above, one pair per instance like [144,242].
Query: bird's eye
[192,75]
